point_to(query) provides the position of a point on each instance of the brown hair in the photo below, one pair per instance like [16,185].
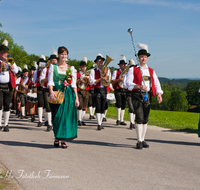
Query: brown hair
[62,49]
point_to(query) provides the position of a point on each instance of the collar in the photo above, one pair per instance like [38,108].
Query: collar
[146,67]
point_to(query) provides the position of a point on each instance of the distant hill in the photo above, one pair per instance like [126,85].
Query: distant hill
[183,82]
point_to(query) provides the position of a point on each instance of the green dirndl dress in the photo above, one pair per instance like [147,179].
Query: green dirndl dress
[66,121]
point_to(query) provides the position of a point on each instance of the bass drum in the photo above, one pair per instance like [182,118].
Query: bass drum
[111,98]
[31,97]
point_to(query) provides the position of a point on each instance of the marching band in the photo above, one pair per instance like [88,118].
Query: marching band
[132,84]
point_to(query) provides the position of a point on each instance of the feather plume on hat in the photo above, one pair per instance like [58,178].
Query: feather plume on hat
[5,42]
[54,51]
[25,66]
[123,58]
[19,69]
[43,57]
[85,59]
[131,62]
[143,46]
[35,64]
[100,55]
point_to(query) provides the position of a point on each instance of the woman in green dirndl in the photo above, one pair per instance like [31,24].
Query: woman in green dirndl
[64,116]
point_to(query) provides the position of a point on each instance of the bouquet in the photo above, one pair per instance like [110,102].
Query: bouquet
[68,79]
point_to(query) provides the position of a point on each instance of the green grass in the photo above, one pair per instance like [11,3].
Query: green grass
[182,121]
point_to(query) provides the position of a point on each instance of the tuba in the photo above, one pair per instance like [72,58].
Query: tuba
[105,73]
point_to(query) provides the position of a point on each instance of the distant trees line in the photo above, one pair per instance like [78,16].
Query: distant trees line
[175,97]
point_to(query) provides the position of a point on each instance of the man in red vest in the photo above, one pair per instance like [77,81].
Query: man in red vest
[100,91]
[83,88]
[144,83]
[120,93]
[7,83]
[53,59]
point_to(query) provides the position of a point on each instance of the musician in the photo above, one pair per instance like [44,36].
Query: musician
[7,84]
[23,88]
[43,82]
[31,107]
[120,93]
[100,91]
[83,91]
[129,98]
[40,95]
[142,79]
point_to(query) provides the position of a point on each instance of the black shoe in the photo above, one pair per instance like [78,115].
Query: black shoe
[24,117]
[0,128]
[90,117]
[104,119]
[49,128]
[102,127]
[139,145]
[145,145]
[122,123]
[79,123]
[6,129]
[99,127]
[56,143]
[63,145]
[46,123]
[39,124]
[83,123]
[32,119]
[12,111]
[117,122]
[19,114]
[132,126]
[93,117]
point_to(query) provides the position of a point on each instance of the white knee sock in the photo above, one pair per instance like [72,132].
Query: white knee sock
[83,115]
[132,117]
[40,112]
[118,113]
[23,110]
[6,115]
[122,115]
[80,115]
[144,131]
[0,118]
[49,118]
[139,130]
[98,115]
[93,110]
[90,110]
[105,112]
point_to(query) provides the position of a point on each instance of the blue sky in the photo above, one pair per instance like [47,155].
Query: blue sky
[170,28]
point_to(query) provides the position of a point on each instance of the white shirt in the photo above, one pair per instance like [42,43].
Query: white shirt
[35,75]
[24,81]
[114,75]
[43,75]
[129,80]
[92,77]
[5,76]
[51,71]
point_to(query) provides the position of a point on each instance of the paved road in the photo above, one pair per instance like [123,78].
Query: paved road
[100,160]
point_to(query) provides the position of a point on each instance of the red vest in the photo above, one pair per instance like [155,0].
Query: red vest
[38,75]
[97,74]
[138,79]
[45,84]
[116,85]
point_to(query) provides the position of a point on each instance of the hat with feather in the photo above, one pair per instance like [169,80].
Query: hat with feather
[99,56]
[131,62]
[19,71]
[25,69]
[84,62]
[4,46]
[42,59]
[143,50]
[123,61]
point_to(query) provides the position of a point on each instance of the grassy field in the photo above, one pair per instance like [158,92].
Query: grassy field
[182,121]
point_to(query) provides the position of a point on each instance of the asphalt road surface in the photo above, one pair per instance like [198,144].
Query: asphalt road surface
[100,160]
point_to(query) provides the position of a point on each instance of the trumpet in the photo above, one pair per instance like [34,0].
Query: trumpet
[9,61]
[105,73]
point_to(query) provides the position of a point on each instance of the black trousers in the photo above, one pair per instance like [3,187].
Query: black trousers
[22,99]
[130,102]
[46,101]
[100,99]
[91,101]
[40,96]
[142,108]
[120,96]
[6,95]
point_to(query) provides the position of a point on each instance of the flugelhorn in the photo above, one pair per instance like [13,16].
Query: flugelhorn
[105,73]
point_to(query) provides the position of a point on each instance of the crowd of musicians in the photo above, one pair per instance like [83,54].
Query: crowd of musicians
[31,92]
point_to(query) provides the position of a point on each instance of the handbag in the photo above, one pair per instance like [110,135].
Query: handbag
[59,98]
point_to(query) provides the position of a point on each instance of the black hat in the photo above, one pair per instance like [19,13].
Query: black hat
[83,63]
[4,48]
[32,68]
[18,73]
[99,57]
[53,56]
[24,70]
[41,60]
[122,62]
[143,52]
